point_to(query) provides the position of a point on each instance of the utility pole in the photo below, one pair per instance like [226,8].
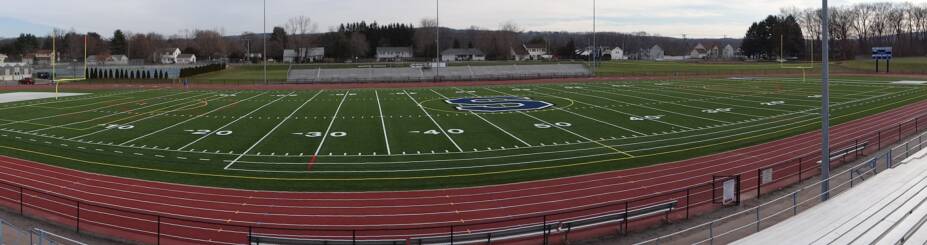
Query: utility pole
[437,40]
[265,41]
[825,103]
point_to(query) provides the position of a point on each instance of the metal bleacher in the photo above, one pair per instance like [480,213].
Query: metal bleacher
[889,208]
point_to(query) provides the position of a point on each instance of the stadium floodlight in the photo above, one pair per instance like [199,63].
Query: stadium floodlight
[264,35]
[437,41]
[595,48]
[825,103]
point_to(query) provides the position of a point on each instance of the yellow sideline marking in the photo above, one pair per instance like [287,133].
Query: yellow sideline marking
[437,176]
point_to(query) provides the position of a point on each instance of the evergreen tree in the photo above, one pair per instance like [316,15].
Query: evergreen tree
[118,45]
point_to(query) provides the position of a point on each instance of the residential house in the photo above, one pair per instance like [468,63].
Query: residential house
[519,51]
[290,56]
[186,59]
[468,54]
[2,58]
[118,59]
[714,53]
[14,71]
[93,60]
[168,55]
[617,54]
[656,53]
[538,51]
[392,54]
[728,52]
[44,57]
[310,55]
[699,52]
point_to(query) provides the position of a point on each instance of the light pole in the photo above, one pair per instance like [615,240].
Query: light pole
[595,47]
[264,35]
[437,40]
[825,103]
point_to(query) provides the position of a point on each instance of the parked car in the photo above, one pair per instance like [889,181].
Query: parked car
[27,81]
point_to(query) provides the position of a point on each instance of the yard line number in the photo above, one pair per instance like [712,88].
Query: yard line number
[319,134]
[207,132]
[558,124]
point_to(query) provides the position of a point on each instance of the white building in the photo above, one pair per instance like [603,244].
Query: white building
[519,52]
[469,54]
[699,52]
[290,56]
[728,52]
[118,59]
[656,53]
[92,60]
[14,71]
[538,52]
[393,53]
[2,58]
[168,55]
[617,54]
[312,54]
[186,59]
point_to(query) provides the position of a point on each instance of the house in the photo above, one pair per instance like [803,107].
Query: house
[656,53]
[538,51]
[290,56]
[93,60]
[617,54]
[186,59]
[714,52]
[468,54]
[168,55]
[118,59]
[311,54]
[728,52]
[519,52]
[390,54]
[14,71]
[44,57]
[699,52]
[2,58]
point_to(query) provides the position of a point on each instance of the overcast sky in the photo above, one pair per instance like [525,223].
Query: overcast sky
[697,18]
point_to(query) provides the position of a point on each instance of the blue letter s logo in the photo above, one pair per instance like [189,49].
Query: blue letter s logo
[498,104]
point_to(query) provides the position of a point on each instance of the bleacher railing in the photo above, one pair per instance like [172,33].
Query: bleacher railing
[87,216]
[11,234]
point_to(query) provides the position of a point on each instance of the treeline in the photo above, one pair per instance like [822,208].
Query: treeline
[776,37]
[855,29]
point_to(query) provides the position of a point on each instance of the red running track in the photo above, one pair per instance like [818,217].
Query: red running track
[140,210]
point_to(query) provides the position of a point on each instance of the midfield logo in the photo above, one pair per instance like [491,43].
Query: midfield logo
[499,104]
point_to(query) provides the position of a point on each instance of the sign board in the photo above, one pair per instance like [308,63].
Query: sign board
[767,176]
[882,53]
[730,192]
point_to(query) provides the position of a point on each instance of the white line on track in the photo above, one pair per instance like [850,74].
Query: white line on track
[191,119]
[274,129]
[232,122]
[331,123]
[382,123]
[488,122]
[422,107]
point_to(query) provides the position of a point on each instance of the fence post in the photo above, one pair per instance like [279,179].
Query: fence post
[78,216]
[757,218]
[625,223]
[20,200]
[251,235]
[688,204]
[800,179]
[545,230]
[795,202]
[159,229]
[711,232]
[354,236]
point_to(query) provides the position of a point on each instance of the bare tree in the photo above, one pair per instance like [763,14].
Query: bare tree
[298,27]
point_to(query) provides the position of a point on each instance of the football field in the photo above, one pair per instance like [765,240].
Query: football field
[400,139]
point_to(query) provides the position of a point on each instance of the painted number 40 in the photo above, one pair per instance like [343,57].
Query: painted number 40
[119,126]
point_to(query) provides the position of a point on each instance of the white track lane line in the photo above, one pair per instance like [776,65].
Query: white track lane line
[444,132]
[232,122]
[487,121]
[331,123]
[382,123]
[273,129]
[191,119]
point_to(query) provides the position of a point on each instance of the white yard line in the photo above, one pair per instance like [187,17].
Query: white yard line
[488,122]
[232,122]
[444,132]
[185,107]
[90,110]
[638,105]
[273,129]
[683,105]
[191,119]
[119,113]
[383,123]
[331,123]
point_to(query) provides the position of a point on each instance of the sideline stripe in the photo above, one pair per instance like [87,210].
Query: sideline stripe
[440,176]
[273,129]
